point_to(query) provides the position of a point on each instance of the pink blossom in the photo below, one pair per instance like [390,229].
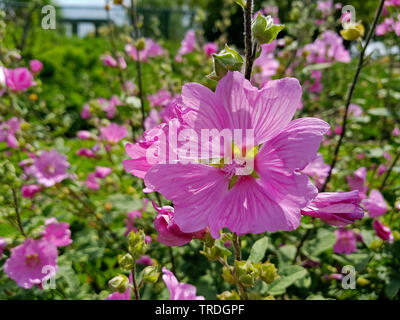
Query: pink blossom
[85,152]
[326,7]
[355,110]
[133,215]
[151,50]
[113,133]
[381,170]
[8,129]
[188,44]
[375,204]
[3,245]
[122,63]
[57,232]
[346,241]
[177,290]
[29,191]
[152,120]
[50,168]
[387,156]
[84,135]
[19,79]
[36,66]
[85,113]
[335,208]
[102,172]
[396,132]
[145,260]
[271,198]
[27,261]
[358,181]
[210,48]
[168,232]
[318,170]
[383,231]
[92,182]
[161,98]
[266,65]
[109,61]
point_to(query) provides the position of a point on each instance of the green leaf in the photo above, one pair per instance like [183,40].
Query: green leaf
[379,112]
[324,241]
[258,250]
[289,275]
[392,287]
[241,3]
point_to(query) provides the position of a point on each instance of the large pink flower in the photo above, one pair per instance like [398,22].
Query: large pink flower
[25,266]
[19,79]
[179,291]
[50,168]
[268,199]
[335,208]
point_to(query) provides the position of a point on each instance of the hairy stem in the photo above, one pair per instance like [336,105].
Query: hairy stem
[135,286]
[248,39]
[351,91]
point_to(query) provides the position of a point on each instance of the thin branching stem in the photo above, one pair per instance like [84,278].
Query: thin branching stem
[248,39]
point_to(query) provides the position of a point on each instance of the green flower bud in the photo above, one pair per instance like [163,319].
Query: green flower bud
[268,272]
[126,262]
[137,244]
[151,274]
[227,275]
[264,30]
[228,295]
[119,283]
[141,44]
[226,60]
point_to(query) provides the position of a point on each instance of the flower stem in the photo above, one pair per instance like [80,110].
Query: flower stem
[390,170]
[351,91]
[135,286]
[17,212]
[248,39]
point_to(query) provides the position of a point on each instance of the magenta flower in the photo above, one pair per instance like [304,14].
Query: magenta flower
[266,65]
[92,182]
[84,135]
[355,110]
[396,132]
[168,232]
[152,49]
[85,113]
[383,231]
[145,260]
[57,233]
[109,61]
[210,48]
[179,291]
[3,245]
[152,120]
[335,208]
[19,79]
[102,172]
[161,98]
[50,168]
[29,191]
[375,204]
[8,129]
[36,66]
[346,241]
[318,170]
[358,181]
[188,45]
[85,152]
[270,197]
[381,170]
[27,260]
[113,133]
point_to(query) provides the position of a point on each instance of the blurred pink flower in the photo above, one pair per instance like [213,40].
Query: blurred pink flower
[29,191]
[210,48]
[161,98]
[3,245]
[358,181]
[19,79]
[85,152]
[92,182]
[84,135]
[346,241]
[50,168]
[188,44]
[381,170]
[396,132]
[36,66]
[318,170]
[383,231]
[335,208]
[27,260]
[375,204]
[355,110]
[152,120]
[102,172]
[145,260]
[179,291]
[109,61]
[113,133]
[8,129]
[151,50]
[57,233]
[265,65]
[85,113]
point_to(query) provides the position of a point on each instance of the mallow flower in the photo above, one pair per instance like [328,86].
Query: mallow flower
[29,191]
[3,245]
[346,241]
[269,197]
[19,79]
[113,133]
[36,66]
[57,232]
[375,204]
[335,208]
[177,290]
[50,168]
[27,260]
[383,231]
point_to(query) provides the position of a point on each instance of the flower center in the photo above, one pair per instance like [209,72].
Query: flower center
[50,169]
[32,260]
